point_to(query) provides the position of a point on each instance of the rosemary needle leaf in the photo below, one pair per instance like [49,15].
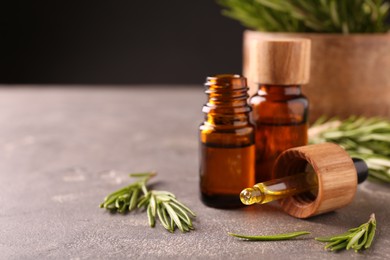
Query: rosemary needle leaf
[166,219]
[183,206]
[133,200]
[151,218]
[160,192]
[334,243]
[163,221]
[173,215]
[362,242]
[143,174]
[153,205]
[339,246]
[355,238]
[144,200]
[172,224]
[182,214]
[276,237]
[371,234]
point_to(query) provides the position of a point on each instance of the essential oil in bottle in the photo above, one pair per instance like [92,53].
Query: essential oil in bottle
[280,110]
[227,142]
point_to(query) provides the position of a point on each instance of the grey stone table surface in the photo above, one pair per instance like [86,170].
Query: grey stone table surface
[63,149]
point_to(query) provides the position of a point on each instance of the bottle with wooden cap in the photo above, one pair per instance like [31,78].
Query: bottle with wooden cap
[227,142]
[280,110]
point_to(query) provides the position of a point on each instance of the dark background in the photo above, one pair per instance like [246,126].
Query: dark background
[116,42]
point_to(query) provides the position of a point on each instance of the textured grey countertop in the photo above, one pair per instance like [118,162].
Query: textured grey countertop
[63,149]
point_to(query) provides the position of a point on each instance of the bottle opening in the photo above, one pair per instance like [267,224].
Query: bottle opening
[234,81]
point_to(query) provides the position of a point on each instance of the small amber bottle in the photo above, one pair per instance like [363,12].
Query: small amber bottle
[280,110]
[227,142]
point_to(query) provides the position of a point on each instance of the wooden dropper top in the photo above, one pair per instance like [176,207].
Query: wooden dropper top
[281,61]
[336,174]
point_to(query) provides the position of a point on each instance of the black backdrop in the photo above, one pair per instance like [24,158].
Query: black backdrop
[116,42]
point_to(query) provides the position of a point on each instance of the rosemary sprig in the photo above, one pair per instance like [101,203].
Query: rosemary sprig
[325,16]
[162,204]
[276,237]
[361,137]
[356,238]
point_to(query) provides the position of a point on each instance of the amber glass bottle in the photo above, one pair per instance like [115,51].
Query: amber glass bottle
[227,143]
[280,110]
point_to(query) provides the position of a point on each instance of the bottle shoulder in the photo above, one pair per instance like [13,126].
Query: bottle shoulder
[238,137]
[292,110]
[258,99]
[206,127]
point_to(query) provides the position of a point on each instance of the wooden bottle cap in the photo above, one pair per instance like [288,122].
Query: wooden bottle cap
[336,173]
[281,61]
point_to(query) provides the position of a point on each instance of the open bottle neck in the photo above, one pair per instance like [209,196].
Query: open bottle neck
[227,100]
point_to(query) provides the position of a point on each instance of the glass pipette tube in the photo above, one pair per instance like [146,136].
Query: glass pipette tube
[268,191]
[291,185]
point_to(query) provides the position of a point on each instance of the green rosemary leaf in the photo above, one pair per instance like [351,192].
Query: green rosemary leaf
[324,239]
[342,236]
[172,224]
[339,246]
[164,198]
[178,203]
[110,201]
[151,218]
[371,231]
[123,208]
[185,227]
[117,203]
[182,214]
[166,193]
[152,205]
[113,196]
[143,174]
[355,238]
[334,243]
[163,220]
[173,215]
[134,199]
[166,219]
[115,193]
[352,230]
[361,242]
[276,237]
[144,200]
[110,206]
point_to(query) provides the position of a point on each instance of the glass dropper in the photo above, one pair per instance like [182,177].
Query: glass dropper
[288,186]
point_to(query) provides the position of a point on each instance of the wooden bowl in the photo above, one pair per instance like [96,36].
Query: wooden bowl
[350,74]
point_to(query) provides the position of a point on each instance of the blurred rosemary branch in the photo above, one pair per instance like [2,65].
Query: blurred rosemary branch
[365,138]
[358,238]
[323,16]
